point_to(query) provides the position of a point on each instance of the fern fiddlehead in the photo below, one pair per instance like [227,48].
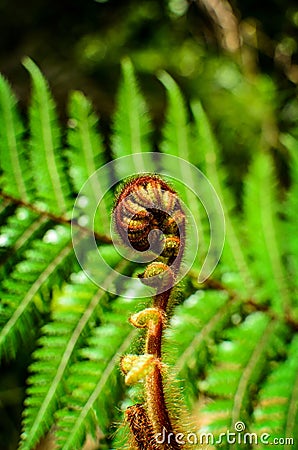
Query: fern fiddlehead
[149,218]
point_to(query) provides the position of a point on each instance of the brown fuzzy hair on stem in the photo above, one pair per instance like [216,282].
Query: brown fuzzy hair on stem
[148,204]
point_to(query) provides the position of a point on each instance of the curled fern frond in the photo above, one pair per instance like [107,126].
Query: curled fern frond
[148,205]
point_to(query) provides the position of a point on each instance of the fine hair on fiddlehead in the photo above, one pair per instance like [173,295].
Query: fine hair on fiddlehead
[149,218]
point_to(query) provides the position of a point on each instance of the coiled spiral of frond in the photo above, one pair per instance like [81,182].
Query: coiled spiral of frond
[149,218]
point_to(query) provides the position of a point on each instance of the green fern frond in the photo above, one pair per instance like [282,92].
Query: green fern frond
[86,153]
[176,130]
[94,379]
[32,276]
[276,411]
[233,254]
[93,384]
[86,156]
[51,182]
[176,141]
[74,312]
[291,243]
[263,230]
[132,124]
[236,373]
[17,235]
[193,329]
[16,177]
[232,346]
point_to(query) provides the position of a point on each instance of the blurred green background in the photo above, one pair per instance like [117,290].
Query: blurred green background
[239,58]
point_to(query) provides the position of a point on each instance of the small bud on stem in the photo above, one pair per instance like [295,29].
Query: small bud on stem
[147,204]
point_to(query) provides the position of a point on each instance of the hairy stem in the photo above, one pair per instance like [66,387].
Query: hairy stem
[158,412]
[141,427]
[147,204]
[156,404]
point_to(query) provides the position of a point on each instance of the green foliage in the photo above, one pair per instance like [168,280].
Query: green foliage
[291,243]
[131,122]
[176,140]
[264,234]
[16,175]
[236,372]
[233,254]
[232,341]
[86,155]
[277,410]
[51,183]
[30,283]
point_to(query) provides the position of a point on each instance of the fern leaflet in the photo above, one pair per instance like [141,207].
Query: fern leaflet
[45,141]
[233,254]
[21,228]
[93,379]
[33,275]
[176,141]
[74,309]
[290,244]
[132,126]
[263,231]
[86,155]
[236,373]
[16,177]
[194,327]
[276,411]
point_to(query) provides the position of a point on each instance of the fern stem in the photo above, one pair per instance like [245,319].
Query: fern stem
[156,404]
[57,219]
[146,204]
[220,286]
[154,339]
[141,427]
[158,412]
